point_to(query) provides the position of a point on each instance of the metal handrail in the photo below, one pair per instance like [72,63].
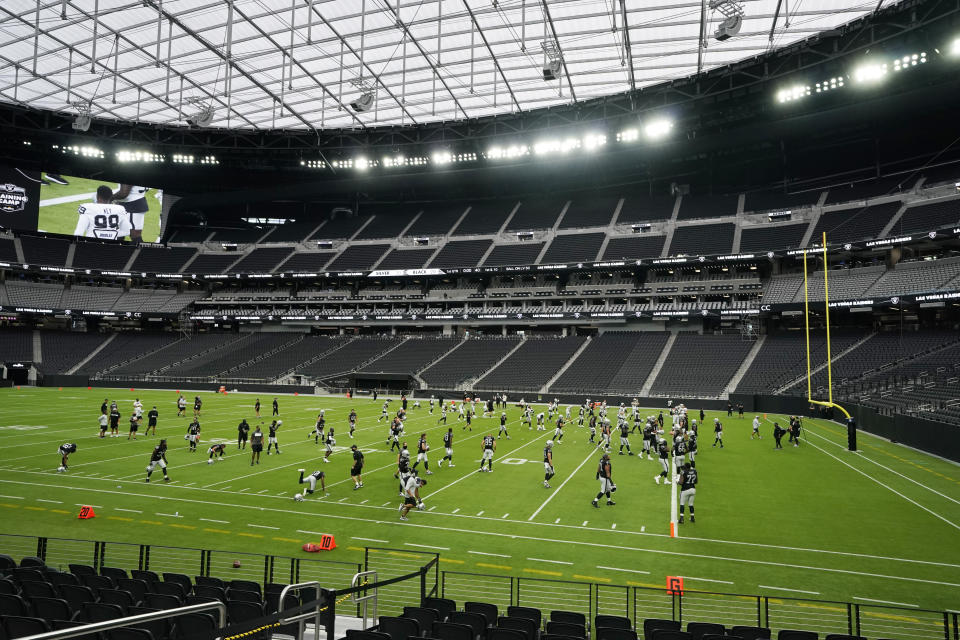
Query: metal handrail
[300,618]
[106,625]
[355,582]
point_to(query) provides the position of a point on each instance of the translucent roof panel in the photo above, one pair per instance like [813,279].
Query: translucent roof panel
[299,64]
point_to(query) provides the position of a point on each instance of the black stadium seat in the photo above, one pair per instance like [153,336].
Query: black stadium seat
[650,624]
[566,629]
[239,595]
[20,626]
[399,628]
[791,634]
[81,569]
[488,611]
[424,616]
[610,633]
[174,589]
[7,563]
[669,634]
[475,621]
[207,580]
[194,625]
[526,612]
[32,589]
[77,595]
[568,616]
[114,573]
[210,592]
[238,611]
[13,605]
[137,588]
[526,626]
[161,601]
[357,634]
[452,631]
[158,628]
[499,633]
[245,585]
[98,612]
[8,587]
[147,576]
[612,622]
[700,629]
[61,578]
[51,608]
[32,562]
[750,633]
[119,597]
[94,581]
[443,606]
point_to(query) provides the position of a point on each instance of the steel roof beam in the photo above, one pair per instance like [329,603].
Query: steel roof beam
[626,43]
[553,30]
[496,62]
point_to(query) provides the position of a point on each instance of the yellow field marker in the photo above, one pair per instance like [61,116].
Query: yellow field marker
[249,535]
[645,584]
[181,526]
[286,540]
[151,522]
[591,578]
[501,567]
[36,508]
[11,506]
[223,531]
[403,555]
[59,511]
[451,561]
[556,574]
[117,518]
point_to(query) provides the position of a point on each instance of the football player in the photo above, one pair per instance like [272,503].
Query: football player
[527,418]
[488,447]
[605,476]
[103,220]
[276,408]
[688,489]
[717,432]
[65,450]
[448,446]
[548,471]
[318,429]
[134,425]
[383,411]
[256,445]
[692,447]
[357,468]
[756,428]
[181,406]
[216,451]
[138,408]
[197,405]
[329,442]
[103,419]
[403,467]
[432,400]
[352,420]
[593,427]
[256,408]
[558,432]
[272,436]
[411,495]
[158,458]
[503,426]
[443,414]
[679,450]
[114,421]
[664,452]
[193,434]
[422,449]
[133,200]
[540,426]
[312,481]
[468,425]
[624,433]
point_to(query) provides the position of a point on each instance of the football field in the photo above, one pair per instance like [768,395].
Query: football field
[58,206]
[814,521]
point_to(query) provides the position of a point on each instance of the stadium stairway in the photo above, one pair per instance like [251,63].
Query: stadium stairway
[92,354]
[201,354]
[496,364]
[370,361]
[744,366]
[312,360]
[833,358]
[566,365]
[416,374]
[645,391]
[19,249]
[37,348]
[291,343]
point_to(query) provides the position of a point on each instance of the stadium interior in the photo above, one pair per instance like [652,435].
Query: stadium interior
[774,225]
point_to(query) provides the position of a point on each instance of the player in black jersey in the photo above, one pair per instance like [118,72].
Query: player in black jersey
[352,420]
[197,405]
[469,416]
[158,458]
[216,452]
[65,450]
[357,468]
[276,408]
[488,447]
[778,432]
[663,450]
[687,479]
[605,476]
[448,446]
[394,436]
[679,450]
[548,471]
[272,436]
[152,416]
[242,430]
[103,407]
[717,432]
[256,445]
[312,481]
[134,425]
[318,429]
[403,467]
[256,408]
[692,447]
[114,421]
[503,426]
[593,427]
[193,434]
[422,449]
[558,432]
[624,436]
[443,414]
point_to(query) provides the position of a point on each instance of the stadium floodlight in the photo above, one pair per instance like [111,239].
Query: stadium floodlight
[513,151]
[441,157]
[546,147]
[791,94]
[83,120]
[182,158]
[829,85]
[870,73]
[139,156]
[909,60]
[955,48]
[593,141]
[362,164]
[553,61]
[732,12]
[628,135]
[657,128]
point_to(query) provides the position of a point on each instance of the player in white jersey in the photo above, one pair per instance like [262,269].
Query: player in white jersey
[134,201]
[103,220]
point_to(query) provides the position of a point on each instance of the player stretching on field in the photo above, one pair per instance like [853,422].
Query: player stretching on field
[312,481]
[159,458]
[65,450]
[548,471]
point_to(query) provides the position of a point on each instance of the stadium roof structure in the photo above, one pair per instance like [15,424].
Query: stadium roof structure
[299,64]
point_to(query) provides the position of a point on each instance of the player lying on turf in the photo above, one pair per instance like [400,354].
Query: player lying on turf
[312,481]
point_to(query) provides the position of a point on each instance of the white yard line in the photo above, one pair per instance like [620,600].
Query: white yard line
[217,521]
[77,197]
[646,573]
[15,498]
[168,515]
[562,484]
[510,536]
[706,580]
[50,501]
[550,561]
[485,553]
[896,604]
[426,546]
[766,586]
[370,540]
[263,526]
[131,510]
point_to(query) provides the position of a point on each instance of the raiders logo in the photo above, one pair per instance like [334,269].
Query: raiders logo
[12,198]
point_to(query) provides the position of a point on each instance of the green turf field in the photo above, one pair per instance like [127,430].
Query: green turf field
[814,521]
[62,217]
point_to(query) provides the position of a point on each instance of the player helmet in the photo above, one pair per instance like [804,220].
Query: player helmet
[549,443]
[209,460]
[298,497]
